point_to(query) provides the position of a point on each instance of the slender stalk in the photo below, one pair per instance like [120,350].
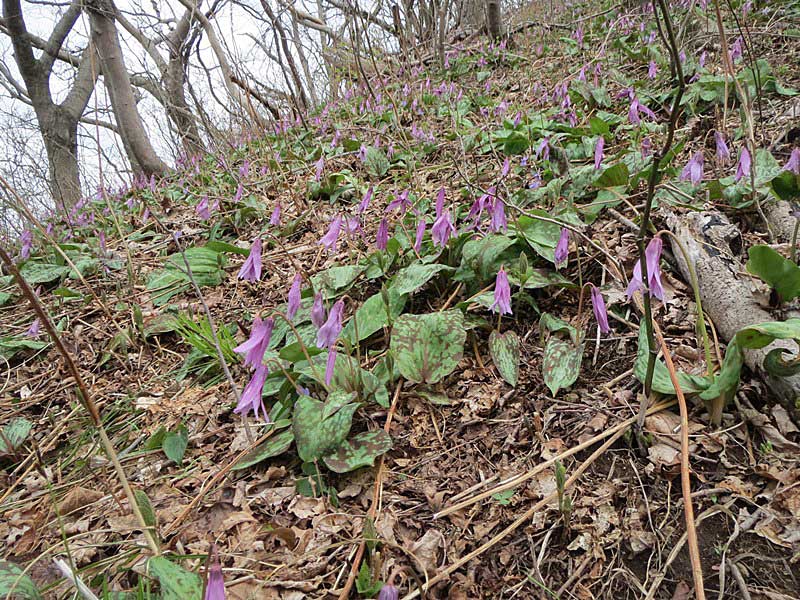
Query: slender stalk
[84,395]
[652,181]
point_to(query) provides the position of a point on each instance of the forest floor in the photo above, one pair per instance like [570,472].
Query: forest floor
[524,119]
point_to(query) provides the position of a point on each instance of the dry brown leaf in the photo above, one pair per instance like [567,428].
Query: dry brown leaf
[77,498]
[426,550]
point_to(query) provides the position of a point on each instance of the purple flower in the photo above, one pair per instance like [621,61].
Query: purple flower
[362,153]
[318,311]
[652,69]
[27,244]
[599,309]
[320,166]
[506,168]
[562,248]
[743,166]
[294,297]
[543,150]
[382,237]
[443,225]
[401,203]
[723,153]
[255,347]
[329,366]
[633,112]
[598,152]
[736,49]
[702,60]
[239,193]
[275,218]
[330,330]
[693,171]
[419,236]
[793,164]
[652,255]
[251,269]
[251,396]
[202,209]
[388,592]
[499,221]
[33,330]
[215,590]
[329,239]
[362,207]
[502,294]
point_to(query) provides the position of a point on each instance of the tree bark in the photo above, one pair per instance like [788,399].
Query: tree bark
[58,123]
[494,23]
[123,102]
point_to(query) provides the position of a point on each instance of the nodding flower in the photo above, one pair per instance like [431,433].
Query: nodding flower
[320,166]
[562,248]
[723,152]
[251,396]
[652,255]
[256,345]
[364,204]
[443,225]
[294,296]
[215,589]
[599,309]
[382,237]
[502,294]
[420,233]
[744,164]
[598,151]
[318,311]
[275,218]
[251,269]
[793,164]
[27,244]
[330,330]
[693,171]
[652,69]
[329,239]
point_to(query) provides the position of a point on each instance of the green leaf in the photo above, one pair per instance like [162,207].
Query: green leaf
[5,298]
[504,349]
[14,434]
[175,443]
[146,508]
[315,435]
[336,279]
[427,348]
[16,584]
[376,163]
[336,400]
[613,176]
[562,363]
[360,451]
[371,316]
[35,273]
[176,582]
[763,334]
[207,269]
[481,255]
[273,446]
[662,383]
[776,366]
[786,186]
[416,275]
[9,346]
[778,272]
[541,235]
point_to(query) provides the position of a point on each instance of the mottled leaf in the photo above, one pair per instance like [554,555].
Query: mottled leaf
[336,279]
[35,273]
[146,508]
[273,446]
[360,451]
[15,584]
[416,275]
[504,349]
[428,347]
[14,433]
[562,363]
[372,316]
[174,444]
[316,436]
[176,582]
[377,164]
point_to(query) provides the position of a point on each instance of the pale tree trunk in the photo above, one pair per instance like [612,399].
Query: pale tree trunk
[494,23]
[58,123]
[123,102]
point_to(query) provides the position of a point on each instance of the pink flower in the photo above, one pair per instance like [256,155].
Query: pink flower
[362,153]
[652,255]
[598,151]
[419,236]
[329,332]
[652,69]
[362,207]
[215,590]
[744,164]
[499,221]
[562,248]
[26,239]
[502,294]
[693,171]
[723,153]
[382,237]
[401,203]
[793,164]
[294,297]
[275,218]
[33,330]
[506,168]
[255,347]
[202,209]
[329,239]
[251,396]
[329,366]
[251,269]
[318,311]
[320,166]
[600,312]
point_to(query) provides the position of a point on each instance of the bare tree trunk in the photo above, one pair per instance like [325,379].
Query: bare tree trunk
[303,60]
[494,24]
[118,83]
[58,123]
[177,106]
[287,53]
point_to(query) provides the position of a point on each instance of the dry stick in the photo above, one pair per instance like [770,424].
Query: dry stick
[213,327]
[521,520]
[373,509]
[686,484]
[83,393]
[516,480]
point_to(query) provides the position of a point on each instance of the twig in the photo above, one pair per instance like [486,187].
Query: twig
[73,578]
[85,396]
